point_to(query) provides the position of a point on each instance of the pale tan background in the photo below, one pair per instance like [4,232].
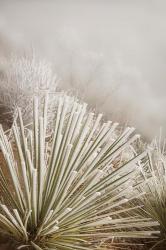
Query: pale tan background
[111,52]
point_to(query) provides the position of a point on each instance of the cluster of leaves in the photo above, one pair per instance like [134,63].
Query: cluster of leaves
[66,188]
[154,184]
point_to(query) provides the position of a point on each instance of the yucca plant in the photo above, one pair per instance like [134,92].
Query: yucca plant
[66,189]
[154,199]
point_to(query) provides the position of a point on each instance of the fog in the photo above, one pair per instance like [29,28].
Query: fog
[111,53]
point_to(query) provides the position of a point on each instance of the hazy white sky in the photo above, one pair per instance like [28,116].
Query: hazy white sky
[132,32]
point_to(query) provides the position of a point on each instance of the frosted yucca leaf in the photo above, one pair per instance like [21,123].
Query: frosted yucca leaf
[21,78]
[155,185]
[61,194]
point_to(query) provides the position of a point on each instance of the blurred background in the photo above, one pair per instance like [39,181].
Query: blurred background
[110,53]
